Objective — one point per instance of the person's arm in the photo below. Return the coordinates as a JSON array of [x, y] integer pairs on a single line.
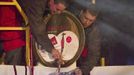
[[34, 10], [93, 41]]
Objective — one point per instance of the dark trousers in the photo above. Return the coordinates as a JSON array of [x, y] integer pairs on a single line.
[[13, 57]]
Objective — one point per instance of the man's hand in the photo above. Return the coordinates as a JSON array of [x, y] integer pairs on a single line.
[[78, 71], [56, 54]]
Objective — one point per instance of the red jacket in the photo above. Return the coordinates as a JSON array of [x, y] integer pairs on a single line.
[[7, 0], [10, 39]]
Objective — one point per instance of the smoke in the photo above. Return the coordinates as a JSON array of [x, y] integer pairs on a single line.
[[116, 20]]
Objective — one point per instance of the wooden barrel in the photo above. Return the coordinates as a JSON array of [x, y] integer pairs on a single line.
[[66, 34]]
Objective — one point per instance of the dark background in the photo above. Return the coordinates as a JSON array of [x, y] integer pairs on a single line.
[[116, 24]]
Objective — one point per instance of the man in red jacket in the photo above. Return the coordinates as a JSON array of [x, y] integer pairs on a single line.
[[11, 42]]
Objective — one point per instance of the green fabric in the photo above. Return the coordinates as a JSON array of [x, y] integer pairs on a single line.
[[15, 57]]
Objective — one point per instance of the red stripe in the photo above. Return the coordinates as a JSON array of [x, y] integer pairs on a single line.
[[84, 52]]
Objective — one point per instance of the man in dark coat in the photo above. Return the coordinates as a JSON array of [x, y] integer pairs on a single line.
[[34, 10], [91, 51]]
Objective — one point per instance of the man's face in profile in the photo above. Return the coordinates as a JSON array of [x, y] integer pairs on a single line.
[[87, 19], [57, 7], [60, 6]]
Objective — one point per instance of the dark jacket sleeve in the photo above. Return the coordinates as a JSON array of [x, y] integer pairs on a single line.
[[34, 10], [93, 41]]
